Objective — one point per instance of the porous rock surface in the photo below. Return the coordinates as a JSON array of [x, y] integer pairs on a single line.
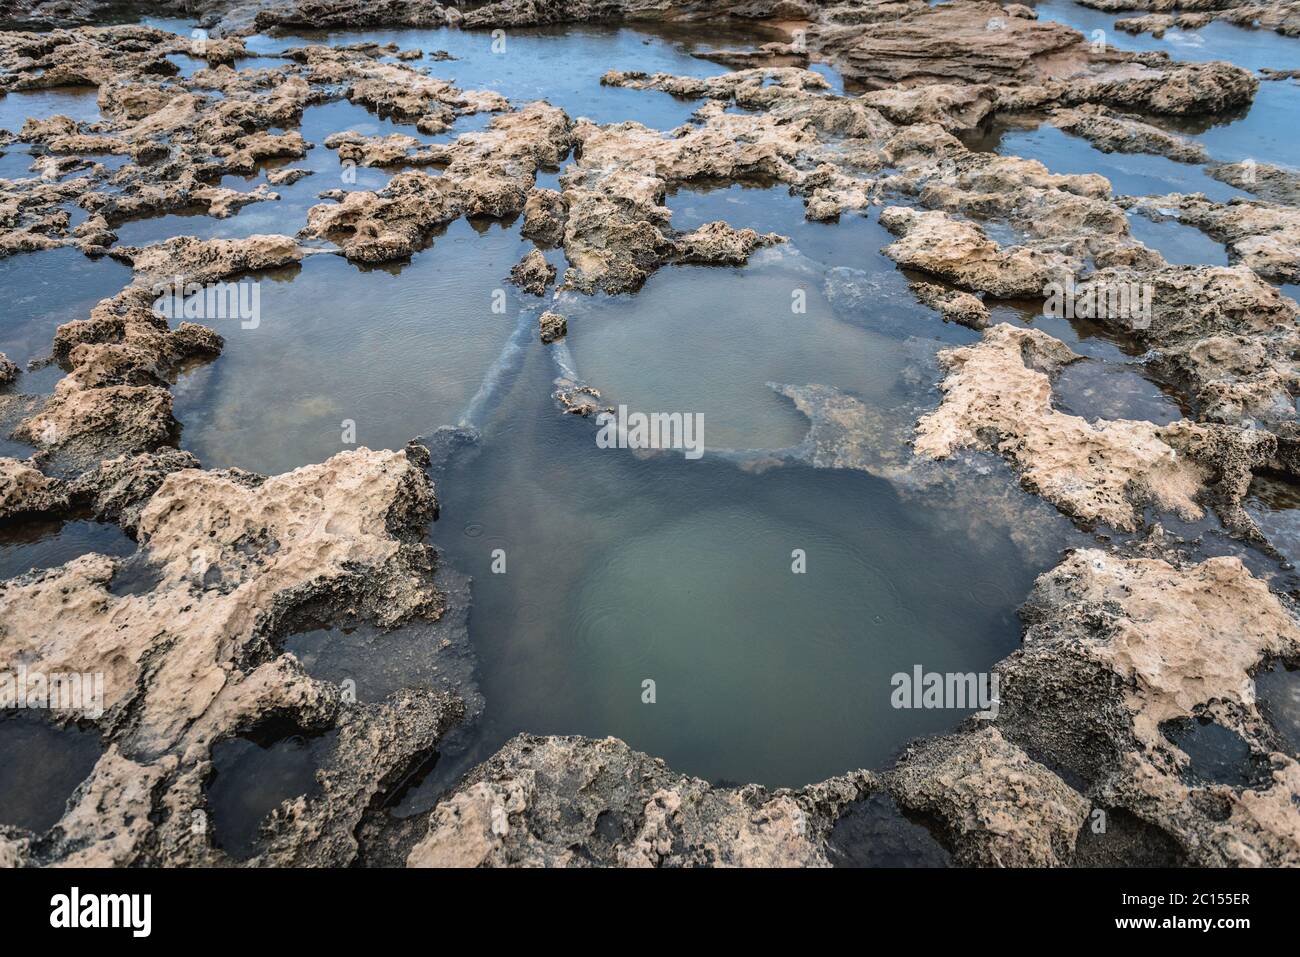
[[239, 560]]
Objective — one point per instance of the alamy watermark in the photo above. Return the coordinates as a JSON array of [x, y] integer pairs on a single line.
[[652, 430], [133, 912], [56, 691], [179, 299], [958, 691]]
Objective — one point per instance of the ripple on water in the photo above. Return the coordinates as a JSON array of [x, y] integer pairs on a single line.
[[623, 569], [1274, 503]]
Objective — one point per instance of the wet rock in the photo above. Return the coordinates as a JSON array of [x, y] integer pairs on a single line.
[[618, 232], [959, 252], [998, 396], [581, 802], [488, 173], [1113, 132], [953, 305], [544, 216], [1274, 184], [1115, 648], [718, 244], [1222, 331], [349, 14], [405, 94], [259, 547], [873, 832], [533, 273], [391, 224], [117, 489], [1157, 23], [114, 399], [956, 107], [552, 327], [25, 490], [287, 176], [8, 370], [208, 260], [223, 203], [80, 427], [788, 95], [1265, 236], [378, 745], [1036, 63], [241, 559], [998, 807], [395, 149], [1276, 15]]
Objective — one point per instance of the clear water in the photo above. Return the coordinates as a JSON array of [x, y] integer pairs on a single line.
[[397, 350], [42, 766], [1131, 174], [47, 543], [253, 775], [621, 569], [45, 289]]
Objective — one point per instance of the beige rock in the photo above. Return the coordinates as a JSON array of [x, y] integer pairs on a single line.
[[1000, 808], [998, 395], [959, 252]]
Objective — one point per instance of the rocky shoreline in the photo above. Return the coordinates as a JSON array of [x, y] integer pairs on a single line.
[[1127, 645]]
